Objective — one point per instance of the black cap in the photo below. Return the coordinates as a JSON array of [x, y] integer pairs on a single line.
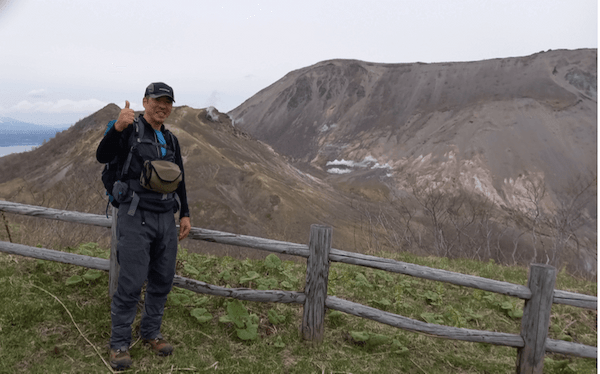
[[159, 89]]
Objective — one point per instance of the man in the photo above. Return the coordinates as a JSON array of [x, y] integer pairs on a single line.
[[147, 233]]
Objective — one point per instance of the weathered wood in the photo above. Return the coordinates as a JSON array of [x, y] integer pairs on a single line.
[[113, 273], [52, 255], [249, 242], [561, 297], [569, 348], [425, 272], [317, 275], [575, 299], [247, 294], [536, 319], [440, 331], [55, 214]]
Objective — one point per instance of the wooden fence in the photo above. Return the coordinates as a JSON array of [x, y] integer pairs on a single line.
[[539, 294]]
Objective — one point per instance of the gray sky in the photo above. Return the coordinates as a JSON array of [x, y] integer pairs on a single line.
[[61, 60]]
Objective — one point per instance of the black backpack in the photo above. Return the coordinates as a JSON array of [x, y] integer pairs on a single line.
[[110, 173]]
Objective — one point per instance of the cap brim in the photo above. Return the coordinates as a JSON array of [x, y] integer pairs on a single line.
[[156, 96]]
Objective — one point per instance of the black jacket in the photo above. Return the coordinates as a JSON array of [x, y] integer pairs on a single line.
[[117, 144]]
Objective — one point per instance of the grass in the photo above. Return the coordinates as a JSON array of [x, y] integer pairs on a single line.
[[37, 334]]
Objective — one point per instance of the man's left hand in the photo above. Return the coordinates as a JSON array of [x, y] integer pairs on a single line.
[[184, 227]]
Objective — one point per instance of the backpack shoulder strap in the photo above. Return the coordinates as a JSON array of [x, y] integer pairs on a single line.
[[170, 137], [137, 134]]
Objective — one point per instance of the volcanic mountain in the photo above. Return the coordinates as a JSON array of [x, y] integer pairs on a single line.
[[519, 132], [484, 124]]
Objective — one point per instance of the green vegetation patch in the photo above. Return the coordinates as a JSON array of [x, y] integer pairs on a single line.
[[215, 334]]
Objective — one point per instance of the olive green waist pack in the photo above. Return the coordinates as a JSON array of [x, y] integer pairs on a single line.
[[160, 176]]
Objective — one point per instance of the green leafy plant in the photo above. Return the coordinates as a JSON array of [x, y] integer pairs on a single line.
[[201, 315], [273, 262], [191, 269], [246, 325], [432, 318], [275, 318], [250, 276], [369, 339], [511, 309], [360, 280], [433, 298], [178, 298], [88, 276]]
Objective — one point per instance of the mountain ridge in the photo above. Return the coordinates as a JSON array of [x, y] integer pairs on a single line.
[[479, 160]]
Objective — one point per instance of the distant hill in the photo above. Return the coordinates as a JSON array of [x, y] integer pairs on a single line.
[[12, 126], [235, 183], [14, 132]]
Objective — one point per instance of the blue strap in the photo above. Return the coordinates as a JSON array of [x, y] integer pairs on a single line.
[[161, 140], [109, 126]]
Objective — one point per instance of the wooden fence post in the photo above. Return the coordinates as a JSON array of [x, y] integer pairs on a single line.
[[317, 275], [536, 319], [113, 272]]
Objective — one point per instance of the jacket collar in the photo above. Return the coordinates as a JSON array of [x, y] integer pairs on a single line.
[[162, 127]]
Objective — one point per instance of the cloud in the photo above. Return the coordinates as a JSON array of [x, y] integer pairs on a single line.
[[40, 92], [58, 106]]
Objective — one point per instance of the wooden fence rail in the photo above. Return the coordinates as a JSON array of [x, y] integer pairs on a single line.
[[539, 294]]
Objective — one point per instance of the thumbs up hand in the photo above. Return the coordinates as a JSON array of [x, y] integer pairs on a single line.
[[125, 119]]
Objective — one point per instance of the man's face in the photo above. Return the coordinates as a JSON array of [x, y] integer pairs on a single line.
[[157, 110]]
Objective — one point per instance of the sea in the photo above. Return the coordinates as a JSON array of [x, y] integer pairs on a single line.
[[6, 150], [23, 141]]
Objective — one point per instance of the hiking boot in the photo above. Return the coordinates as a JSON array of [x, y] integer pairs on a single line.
[[160, 346], [120, 359]]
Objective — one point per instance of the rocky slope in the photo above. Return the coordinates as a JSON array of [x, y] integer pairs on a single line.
[[482, 125], [520, 133]]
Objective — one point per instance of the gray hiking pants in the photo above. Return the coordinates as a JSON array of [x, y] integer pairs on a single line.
[[146, 250]]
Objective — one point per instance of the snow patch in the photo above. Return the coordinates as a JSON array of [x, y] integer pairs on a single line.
[[347, 165]]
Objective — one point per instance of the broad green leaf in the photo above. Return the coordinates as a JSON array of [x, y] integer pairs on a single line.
[[279, 343], [507, 305], [190, 269], [383, 301], [249, 333], [286, 284], [291, 278], [432, 318], [198, 301], [275, 318], [179, 299], [92, 274], [201, 314], [237, 313], [378, 339], [359, 336], [74, 280], [515, 313], [251, 275], [272, 261], [361, 281], [225, 275]]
